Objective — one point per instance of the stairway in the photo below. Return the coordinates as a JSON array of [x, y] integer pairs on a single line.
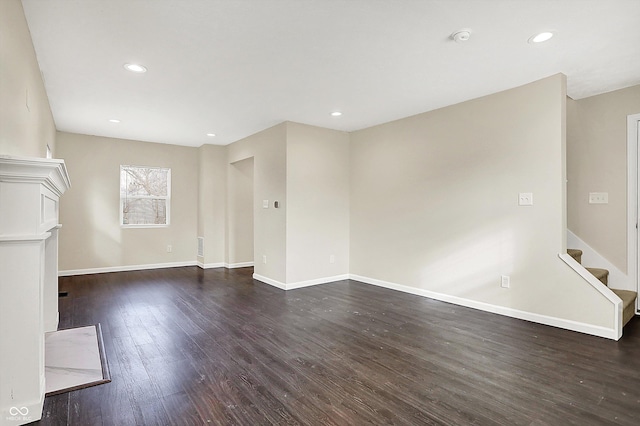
[[628, 297]]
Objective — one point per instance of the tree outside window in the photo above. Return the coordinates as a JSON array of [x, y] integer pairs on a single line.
[[145, 195]]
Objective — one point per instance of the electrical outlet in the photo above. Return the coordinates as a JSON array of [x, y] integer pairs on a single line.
[[525, 199], [169, 248], [264, 258], [505, 281], [598, 198], [332, 259]]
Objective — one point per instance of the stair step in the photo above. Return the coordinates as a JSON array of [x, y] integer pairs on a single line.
[[601, 274], [628, 297], [628, 303], [576, 254]]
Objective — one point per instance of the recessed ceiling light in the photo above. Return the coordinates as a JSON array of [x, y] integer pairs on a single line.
[[135, 68], [336, 113], [461, 36], [211, 134], [539, 38], [113, 120]]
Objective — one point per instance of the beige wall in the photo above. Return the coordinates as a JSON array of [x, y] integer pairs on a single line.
[[91, 236], [241, 210], [26, 123], [318, 203], [269, 151], [434, 204], [597, 162], [212, 202], [430, 202], [305, 169]]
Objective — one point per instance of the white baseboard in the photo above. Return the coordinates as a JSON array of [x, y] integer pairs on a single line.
[[126, 268], [210, 265], [238, 265], [501, 310], [591, 258], [300, 284], [281, 286], [318, 281], [50, 326], [71, 272], [482, 306]]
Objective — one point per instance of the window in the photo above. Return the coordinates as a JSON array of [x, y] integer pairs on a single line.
[[145, 196]]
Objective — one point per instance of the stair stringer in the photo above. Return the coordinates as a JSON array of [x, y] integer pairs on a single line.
[[601, 288]]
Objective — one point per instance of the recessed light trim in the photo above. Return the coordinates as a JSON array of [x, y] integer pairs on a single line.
[[461, 36], [211, 135], [336, 113], [114, 120], [137, 68], [541, 37]]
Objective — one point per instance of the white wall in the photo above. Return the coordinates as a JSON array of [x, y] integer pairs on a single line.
[[240, 219], [318, 203], [269, 151], [91, 236], [597, 162], [212, 203], [434, 204], [26, 123], [305, 169], [428, 202]]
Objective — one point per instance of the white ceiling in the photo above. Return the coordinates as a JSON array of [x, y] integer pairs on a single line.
[[235, 67]]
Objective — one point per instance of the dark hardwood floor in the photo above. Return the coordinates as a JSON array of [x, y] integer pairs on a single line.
[[193, 347]]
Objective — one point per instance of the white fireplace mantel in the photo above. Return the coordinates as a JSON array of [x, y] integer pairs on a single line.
[[30, 190]]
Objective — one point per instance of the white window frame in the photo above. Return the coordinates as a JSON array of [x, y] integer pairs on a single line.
[[167, 199]]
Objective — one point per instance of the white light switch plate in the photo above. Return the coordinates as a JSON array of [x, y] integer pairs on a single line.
[[505, 281], [265, 204], [598, 198], [525, 199]]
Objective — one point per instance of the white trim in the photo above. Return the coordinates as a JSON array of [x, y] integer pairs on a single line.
[[281, 286], [317, 281], [590, 278], [124, 268], [300, 284], [591, 258], [52, 325], [50, 173], [23, 238], [224, 265], [609, 333], [166, 198], [601, 288], [238, 265], [633, 122], [210, 265], [501, 310], [594, 330]]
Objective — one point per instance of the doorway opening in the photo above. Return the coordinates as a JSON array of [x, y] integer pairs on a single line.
[[240, 215]]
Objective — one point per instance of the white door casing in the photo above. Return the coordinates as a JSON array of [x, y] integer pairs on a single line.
[[633, 200]]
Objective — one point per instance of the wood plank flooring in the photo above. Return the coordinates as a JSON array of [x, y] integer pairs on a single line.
[[188, 346]]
